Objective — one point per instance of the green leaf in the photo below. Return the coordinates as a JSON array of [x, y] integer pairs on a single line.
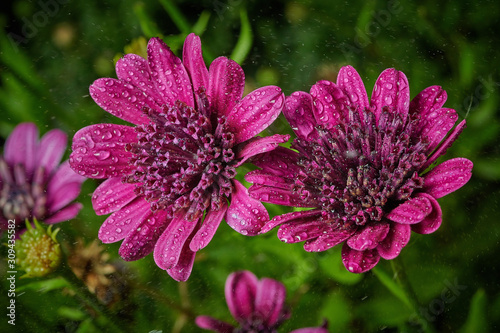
[[148, 25], [200, 25], [392, 285], [245, 40], [476, 320], [332, 265], [71, 313], [176, 15], [44, 286]]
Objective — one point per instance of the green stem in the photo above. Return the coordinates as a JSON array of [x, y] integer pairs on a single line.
[[90, 299]]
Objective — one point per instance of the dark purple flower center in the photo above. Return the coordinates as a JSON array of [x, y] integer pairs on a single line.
[[361, 168], [19, 198], [183, 159]]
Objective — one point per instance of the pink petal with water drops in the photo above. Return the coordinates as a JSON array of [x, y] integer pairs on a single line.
[[330, 103], [134, 69], [226, 84], [294, 233], [369, 237], [411, 211], [395, 241], [119, 224], [21, 145], [298, 111], [270, 301], [63, 187], [437, 125], [193, 61], [168, 74], [208, 228], [182, 270], [141, 240], [169, 246], [245, 214], [292, 218], [259, 145], [391, 89], [441, 149], [213, 324], [447, 177], [432, 222], [51, 149], [427, 101], [111, 195], [122, 100], [351, 84], [280, 162], [240, 291], [328, 240], [255, 112], [67, 213], [261, 177], [359, 261], [99, 151], [282, 196]]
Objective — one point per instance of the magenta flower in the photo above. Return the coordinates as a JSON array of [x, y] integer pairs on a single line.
[[362, 167], [257, 305], [33, 184], [170, 176]]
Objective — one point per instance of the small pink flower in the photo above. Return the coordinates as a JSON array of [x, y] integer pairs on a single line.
[[33, 184], [362, 167], [170, 175], [257, 306]]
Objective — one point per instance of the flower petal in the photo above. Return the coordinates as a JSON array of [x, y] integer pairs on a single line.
[[208, 228], [259, 145], [359, 261], [432, 222], [240, 291], [213, 324], [330, 103], [21, 145], [396, 239], [280, 196], [67, 213], [122, 100], [328, 240], [182, 270], [169, 246], [260, 177], [350, 82], [225, 89], [280, 162], [245, 214], [119, 224], [193, 61], [311, 330], [141, 240], [269, 301], [391, 89], [168, 73], [435, 128], [134, 69], [447, 177], [111, 195], [293, 217], [298, 111], [99, 151], [427, 101], [369, 237], [300, 232], [255, 112], [63, 187], [51, 149], [411, 211]]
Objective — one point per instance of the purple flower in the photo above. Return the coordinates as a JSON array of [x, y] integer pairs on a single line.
[[257, 305], [33, 184], [171, 175], [362, 167]]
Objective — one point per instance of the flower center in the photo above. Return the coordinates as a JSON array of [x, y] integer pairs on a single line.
[[362, 167], [183, 159], [20, 199]]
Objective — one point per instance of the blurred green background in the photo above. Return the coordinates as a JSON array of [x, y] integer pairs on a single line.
[[51, 51]]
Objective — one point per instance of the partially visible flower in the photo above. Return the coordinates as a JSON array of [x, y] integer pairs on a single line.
[[32, 183], [362, 167], [103, 278], [257, 305], [38, 252], [171, 175]]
